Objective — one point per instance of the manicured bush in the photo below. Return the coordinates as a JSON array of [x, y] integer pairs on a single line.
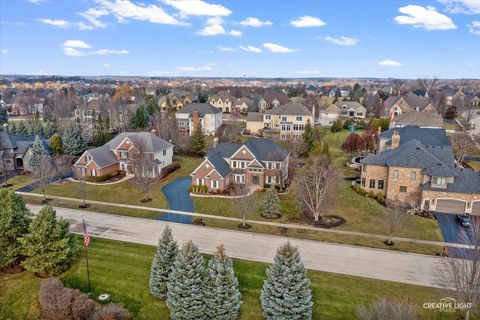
[[204, 189], [348, 123], [380, 197], [170, 168], [371, 194], [103, 178], [337, 126], [191, 188], [359, 189]]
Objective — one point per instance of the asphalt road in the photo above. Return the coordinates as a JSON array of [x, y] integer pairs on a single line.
[[371, 263]]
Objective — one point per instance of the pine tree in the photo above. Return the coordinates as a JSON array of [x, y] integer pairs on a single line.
[[49, 246], [162, 264], [38, 152], [198, 144], [271, 203], [107, 121], [286, 292], [48, 130], [13, 128], [308, 138], [14, 221], [223, 296], [22, 129], [57, 145], [141, 118], [73, 142], [186, 285]]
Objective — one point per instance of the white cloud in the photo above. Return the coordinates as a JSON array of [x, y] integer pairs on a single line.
[[56, 22], [474, 27], [342, 41], [124, 10], [106, 65], [198, 8], [213, 27], [462, 6], [73, 52], [251, 49], [307, 22], [156, 73], [390, 63], [103, 52], [308, 72], [226, 49], [92, 15], [255, 22], [427, 18], [4, 51], [273, 47], [76, 44], [35, 1], [194, 69]]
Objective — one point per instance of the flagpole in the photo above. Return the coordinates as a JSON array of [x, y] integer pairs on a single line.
[[86, 256]]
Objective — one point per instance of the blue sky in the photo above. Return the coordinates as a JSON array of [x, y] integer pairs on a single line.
[[263, 38]]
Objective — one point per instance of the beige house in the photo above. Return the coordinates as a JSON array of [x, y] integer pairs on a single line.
[[176, 101], [285, 121], [346, 109], [422, 175], [199, 114], [223, 101], [396, 105]]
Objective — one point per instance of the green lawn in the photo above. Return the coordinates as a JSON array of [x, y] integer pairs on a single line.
[[122, 270], [475, 165]]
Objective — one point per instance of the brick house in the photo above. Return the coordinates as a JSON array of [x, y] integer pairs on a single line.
[[396, 105], [256, 162], [422, 174], [199, 114], [117, 155]]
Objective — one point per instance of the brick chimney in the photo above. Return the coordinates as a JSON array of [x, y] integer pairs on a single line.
[[395, 139], [154, 132], [196, 120]]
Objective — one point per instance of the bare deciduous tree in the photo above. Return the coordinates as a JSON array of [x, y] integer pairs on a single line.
[[82, 189], [462, 273], [4, 169], [395, 221], [244, 203], [463, 144], [384, 309], [143, 167], [312, 183], [166, 126], [44, 174]]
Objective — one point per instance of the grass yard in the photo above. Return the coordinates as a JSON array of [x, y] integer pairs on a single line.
[[122, 270], [21, 181], [475, 165], [125, 192]]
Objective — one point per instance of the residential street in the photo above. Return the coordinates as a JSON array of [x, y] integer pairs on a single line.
[[364, 262]]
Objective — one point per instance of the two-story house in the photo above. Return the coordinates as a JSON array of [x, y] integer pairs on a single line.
[[199, 114], [423, 175], [118, 154], [175, 101], [396, 105], [272, 100], [346, 109], [255, 163], [222, 100], [417, 118], [285, 121]]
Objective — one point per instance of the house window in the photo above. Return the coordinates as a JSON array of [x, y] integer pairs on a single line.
[[395, 174], [271, 179], [299, 118], [84, 172], [94, 173], [268, 117], [413, 175], [239, 178], [403, 189], [269, 165], [123, 155], [363, 182], [298, 127], [164, 152], [277, 165], [372, 183], [284, 118], [200, 182], [439, 180], [286, 127], [242, 165], [234, 164], [214, 184], [380, 184]]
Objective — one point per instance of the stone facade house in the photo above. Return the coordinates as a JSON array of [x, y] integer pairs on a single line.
[[272, 100], [255, 163], [285, 121], [427, 136], [346, 109], [118, 154], [222, 100], [199, 114], [422, 174], [175, 101], [396, 105]]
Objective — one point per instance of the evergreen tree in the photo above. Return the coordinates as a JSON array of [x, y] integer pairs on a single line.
[[3, 116], [38, 152], [73, 142], [49, 246], [13, 128], [308, 138], [107, 122], [223, 296], [152, 105], [286, 292], [14, 221], [186, 285], [48, 130], [141, 118], [198, 143], [162, 264], [271, 203], [22, 129], [57, 145]]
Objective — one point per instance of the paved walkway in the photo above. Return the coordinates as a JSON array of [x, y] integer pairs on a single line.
[[379, 264], [249, 221], [126, 178]]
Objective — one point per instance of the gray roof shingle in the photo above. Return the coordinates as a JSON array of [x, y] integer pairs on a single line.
[[292, 109], [153, 143], [427, 136], [102, 156], [202, 108], [466, 181]]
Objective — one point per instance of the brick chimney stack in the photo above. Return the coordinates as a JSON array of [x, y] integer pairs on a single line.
[[395, 139], [153, 131], [196, 120]]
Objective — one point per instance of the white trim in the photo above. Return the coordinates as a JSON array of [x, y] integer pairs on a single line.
[[243, 146]]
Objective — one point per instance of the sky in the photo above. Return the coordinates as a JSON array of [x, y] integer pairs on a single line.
[[255, 38]]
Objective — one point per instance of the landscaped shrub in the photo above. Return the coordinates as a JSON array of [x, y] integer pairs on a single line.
[[204, 189], [337, 126], [170, 168], [191, 188], [359, 189], [379, 197], [102, 178], [371, 194], [58, 303], [348, 123]]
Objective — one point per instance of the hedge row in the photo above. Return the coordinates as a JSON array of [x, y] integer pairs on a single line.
[[198, 189], [379, 196], [170, 168]]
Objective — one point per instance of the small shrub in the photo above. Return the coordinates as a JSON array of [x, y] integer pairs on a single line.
[[359, 189], [204, 189], [379, 197], [348, 123], [170, 168], [337, 126], [191, 188], [101, 178], [371, 194]]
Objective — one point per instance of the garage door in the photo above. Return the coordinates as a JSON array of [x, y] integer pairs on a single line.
[[451, 206], [476, 208]]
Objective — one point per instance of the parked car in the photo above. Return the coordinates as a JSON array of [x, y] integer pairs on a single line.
[[463, 220]]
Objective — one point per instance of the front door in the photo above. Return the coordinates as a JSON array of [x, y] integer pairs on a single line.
[[256, 180]]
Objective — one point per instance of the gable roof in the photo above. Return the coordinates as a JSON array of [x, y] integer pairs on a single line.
[[466, 181], [427, 136], [349, 104], [293, 109], [417, 118], [152, 142], [202, 108], [102, 156], [255, 116]]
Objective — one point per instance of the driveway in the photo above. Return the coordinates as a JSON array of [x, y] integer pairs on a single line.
[[178, 198], [453, 232], [409, 268]]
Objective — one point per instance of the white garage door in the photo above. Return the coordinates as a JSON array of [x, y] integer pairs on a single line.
[[476, 208], [450, 206]]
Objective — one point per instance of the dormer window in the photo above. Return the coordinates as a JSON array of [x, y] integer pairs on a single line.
[[439, 181]]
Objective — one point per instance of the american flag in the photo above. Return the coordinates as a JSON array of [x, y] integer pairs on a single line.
[[86, 237]]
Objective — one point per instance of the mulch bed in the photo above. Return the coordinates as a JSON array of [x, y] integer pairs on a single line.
[[146, 200], [330, 221], [244, 226], [7, 185], [84, 206], [12, 270], [198, 222]]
